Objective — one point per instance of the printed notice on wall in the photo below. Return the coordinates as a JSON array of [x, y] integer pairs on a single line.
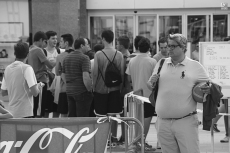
[[215, 57]]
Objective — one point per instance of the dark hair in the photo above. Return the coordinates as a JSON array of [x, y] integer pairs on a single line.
[[124, 41], [50, 34], [40, 35], [89, 42], [144, 45], [136, 41], [108, 35], [227, 38], [21, 50], [98, 47], [162, 40], [78, 42], [68, 38]]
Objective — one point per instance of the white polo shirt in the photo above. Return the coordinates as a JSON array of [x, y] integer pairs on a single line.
[[174, 98], [18, 78], [140, 69]]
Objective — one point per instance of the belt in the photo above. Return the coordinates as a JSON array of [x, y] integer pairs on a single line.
[[190, 114]]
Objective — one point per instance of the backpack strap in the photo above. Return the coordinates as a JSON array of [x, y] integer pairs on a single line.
[[161, 64], [45, 52], [112, 60]]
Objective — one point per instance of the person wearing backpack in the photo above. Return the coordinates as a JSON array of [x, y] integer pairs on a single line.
[[108, 75]]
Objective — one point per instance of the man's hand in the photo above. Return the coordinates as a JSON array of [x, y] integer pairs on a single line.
[[205, 89], [152, 81]]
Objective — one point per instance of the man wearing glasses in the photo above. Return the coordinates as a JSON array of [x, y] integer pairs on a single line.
[[163, 50], [195, 53], [176, 110]]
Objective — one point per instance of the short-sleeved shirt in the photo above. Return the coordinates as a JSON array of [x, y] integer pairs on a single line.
[[174, 98], [36, 59], [140, 69], [59, 66], [74, 64], [195, 55], [18, 78], [100, 65], [159, 56], [52, 56]]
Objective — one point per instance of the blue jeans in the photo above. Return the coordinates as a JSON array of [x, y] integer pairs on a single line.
[[79, 105]]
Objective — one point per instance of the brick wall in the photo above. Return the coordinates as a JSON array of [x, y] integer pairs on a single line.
[[61, 16]]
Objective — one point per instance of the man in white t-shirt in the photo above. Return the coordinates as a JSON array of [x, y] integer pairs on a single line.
[[19, 82], [51, 53], [140, 69]]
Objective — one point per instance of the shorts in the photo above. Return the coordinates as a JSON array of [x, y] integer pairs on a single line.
[[62, 103], [107, 103], [149, 110], [50, 105]]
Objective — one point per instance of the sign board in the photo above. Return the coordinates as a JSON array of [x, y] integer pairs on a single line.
[[215, 57], [67, 135]]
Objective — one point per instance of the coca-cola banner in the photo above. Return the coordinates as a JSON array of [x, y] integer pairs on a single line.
[[66, 135]]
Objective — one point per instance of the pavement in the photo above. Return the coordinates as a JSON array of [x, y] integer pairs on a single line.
[[204, 136]]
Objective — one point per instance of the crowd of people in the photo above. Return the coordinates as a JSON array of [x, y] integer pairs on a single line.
[[77, 81]]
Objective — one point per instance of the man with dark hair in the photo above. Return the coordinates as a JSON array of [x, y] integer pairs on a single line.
[[139, 70], [51, 51], [107, 99], [66, 43], [76, 75], [39, 63], [19, 82], [163, 50], [90, 53], [123, 43]]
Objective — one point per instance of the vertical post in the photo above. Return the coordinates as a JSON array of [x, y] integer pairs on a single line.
[[125, 115], [212, 136]]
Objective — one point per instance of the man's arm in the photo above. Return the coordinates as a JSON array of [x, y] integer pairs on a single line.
[[4, 113], [35, 90], [87, 81], [58, 66], [95, 71], [50, 64], [122, 71], [43, 59], [4, 91], [30, 78], [86, 73]]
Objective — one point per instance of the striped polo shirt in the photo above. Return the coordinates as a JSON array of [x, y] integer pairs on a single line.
[[74, 65]]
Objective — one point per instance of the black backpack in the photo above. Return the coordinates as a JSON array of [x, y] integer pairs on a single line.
[[112, 73]]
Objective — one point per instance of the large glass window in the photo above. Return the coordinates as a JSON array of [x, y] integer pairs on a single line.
[[198, 31], [124, 26], [169, 25], [220, 25], [147, 27], [97, 25]]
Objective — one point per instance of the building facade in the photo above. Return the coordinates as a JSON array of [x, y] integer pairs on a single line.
[[206, 20]]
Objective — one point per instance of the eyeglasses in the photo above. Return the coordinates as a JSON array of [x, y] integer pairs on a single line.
[[173, 46], [164, 47]]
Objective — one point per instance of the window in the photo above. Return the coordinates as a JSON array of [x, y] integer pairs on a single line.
[[169, 25], [220, 25], [147, 28], [124, 26], [97, 25]]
